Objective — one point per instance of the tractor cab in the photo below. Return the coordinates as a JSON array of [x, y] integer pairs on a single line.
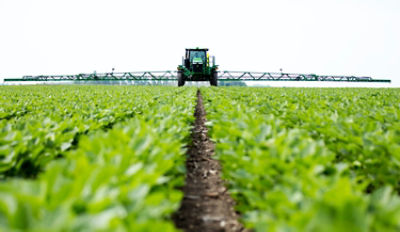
[[195, 58]]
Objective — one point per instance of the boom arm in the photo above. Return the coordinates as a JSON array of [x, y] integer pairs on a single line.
[[172, 76]]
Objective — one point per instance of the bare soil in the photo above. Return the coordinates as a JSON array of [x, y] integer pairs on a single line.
[[206, 205]]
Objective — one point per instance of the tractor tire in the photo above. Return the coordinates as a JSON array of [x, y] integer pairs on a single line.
[[214, 79], [181, 80]]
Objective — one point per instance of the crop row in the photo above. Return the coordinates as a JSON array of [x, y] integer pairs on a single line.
[[309, 159], [126, 178], [57, 115]]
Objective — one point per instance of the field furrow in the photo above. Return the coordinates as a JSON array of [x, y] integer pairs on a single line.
[[206, 205]]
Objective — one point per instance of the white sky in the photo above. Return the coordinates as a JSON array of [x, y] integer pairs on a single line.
[[344, 37]]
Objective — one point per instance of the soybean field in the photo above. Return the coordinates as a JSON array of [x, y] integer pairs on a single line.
[[158, 158]]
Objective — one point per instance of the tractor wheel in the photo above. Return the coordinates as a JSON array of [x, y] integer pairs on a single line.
[[181, 80], [214, 79]]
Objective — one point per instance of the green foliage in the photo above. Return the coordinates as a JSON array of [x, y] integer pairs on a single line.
[[111, 158], [57, 116], [309, 159], [124, 178]]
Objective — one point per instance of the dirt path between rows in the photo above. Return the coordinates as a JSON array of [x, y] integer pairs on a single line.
[[206, 205]]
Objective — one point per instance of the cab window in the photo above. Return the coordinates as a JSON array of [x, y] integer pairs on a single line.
[[197, 54]]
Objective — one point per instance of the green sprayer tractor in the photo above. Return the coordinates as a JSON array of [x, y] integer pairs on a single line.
[[196, 66]]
